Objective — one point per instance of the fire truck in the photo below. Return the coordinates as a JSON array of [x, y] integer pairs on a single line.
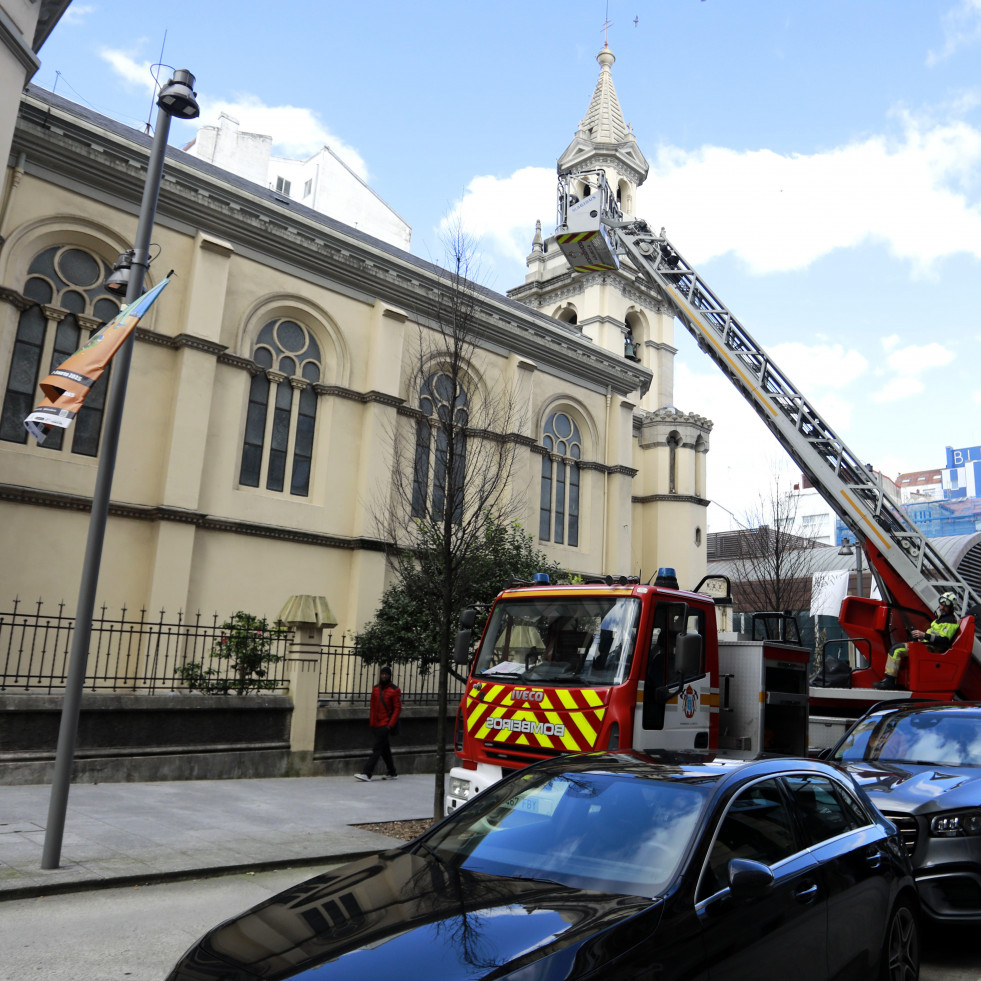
[[618, 663], [529, 696]]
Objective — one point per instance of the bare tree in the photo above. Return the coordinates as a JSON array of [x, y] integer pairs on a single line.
[[454, 456], [773, 565]]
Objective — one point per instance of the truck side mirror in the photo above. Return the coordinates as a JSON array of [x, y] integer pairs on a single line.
[[461, 652], [688, 656]]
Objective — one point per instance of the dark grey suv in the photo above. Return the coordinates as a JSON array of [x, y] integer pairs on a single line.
[[920, 763]]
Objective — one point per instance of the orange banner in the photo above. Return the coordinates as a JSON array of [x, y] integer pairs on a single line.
[[67, 386]]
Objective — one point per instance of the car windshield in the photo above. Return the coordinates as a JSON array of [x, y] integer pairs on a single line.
[[612, 832], [946, 736], [587, 640]]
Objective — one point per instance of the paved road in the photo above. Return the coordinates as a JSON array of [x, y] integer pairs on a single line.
[[137, 933]]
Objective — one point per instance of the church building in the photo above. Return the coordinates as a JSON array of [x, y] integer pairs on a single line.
[[270, 378]]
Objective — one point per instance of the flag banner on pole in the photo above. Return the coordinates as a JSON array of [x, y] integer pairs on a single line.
[[67, 386], [828, 590]]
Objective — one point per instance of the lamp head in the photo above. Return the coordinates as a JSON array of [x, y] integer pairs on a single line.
[[846, 547], [177, 97], [118, 281]]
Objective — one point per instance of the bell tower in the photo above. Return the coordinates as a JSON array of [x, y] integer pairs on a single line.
[[622, 312], [616, 309]]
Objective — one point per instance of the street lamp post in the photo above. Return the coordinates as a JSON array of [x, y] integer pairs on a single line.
[[846, 549], [176, 99]]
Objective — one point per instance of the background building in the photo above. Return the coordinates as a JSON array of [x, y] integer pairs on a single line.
[[322, 182]]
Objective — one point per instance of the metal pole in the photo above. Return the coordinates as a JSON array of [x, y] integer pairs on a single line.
[[858, 569], [68, 731]]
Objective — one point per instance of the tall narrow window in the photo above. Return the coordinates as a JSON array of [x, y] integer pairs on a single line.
[[69, 305], [441, 449], [281, 415], [558, 515]]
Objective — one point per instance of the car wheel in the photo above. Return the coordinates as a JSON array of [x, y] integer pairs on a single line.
[[901, 955]]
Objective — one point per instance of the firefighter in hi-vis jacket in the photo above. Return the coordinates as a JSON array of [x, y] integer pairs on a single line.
[[937, 638]]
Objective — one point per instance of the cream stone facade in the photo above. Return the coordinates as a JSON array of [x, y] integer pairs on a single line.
[[24, 27], [269, 378]]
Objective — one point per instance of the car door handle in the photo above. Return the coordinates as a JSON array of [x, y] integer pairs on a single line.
[[806, 893], [873, 858]]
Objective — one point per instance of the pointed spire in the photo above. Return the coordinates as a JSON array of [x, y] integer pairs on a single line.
[[604, 122], [538, 243], [603, 129]]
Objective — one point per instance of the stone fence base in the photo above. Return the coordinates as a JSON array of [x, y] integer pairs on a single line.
[[203, 737]]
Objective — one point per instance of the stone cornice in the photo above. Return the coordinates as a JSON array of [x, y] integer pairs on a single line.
[[180, 341], [15, 299], [604, 468], [207, 522], [630, 284], [381, 398], [671, 499]]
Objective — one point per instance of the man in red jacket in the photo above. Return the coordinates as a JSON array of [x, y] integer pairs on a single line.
[[386, 707]]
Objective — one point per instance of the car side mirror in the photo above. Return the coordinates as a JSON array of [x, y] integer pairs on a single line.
[[748, 879]]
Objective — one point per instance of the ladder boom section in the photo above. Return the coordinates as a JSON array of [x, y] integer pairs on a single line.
[[852, 489]]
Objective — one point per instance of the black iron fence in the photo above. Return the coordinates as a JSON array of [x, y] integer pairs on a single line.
[[156, 656]]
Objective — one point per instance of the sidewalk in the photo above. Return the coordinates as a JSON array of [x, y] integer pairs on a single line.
[[127, 833]]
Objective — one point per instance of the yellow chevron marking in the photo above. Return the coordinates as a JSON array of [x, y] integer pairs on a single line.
[[585, 728]]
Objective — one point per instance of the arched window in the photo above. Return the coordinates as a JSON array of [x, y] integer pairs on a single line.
[[567, 315], [282, 412], [438, 474], [559, 510], [68, 305]]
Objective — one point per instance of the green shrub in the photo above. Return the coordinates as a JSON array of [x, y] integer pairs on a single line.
[[245, 645]]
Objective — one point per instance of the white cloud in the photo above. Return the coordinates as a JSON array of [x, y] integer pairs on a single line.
[[819, 365], [496, 210], [777, 212], [917, 358], [898, 389], [76, 13], [961, 26], [296, 132], [890, 342], [136, 74], [783, 212]]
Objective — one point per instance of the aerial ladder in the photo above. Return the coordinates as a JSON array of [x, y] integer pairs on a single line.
[[593, 236]]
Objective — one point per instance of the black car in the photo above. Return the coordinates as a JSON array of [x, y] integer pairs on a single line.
[[605, 866], [921, 765]]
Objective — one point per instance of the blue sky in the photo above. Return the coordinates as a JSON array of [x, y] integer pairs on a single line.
[[820, 163]]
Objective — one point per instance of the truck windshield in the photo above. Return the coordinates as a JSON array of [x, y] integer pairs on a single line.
[[586, 640]]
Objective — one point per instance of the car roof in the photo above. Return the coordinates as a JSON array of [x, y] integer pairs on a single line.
[[970, 709], [705, 771]]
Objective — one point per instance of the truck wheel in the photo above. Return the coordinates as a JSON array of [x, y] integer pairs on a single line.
[[901, 951]]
